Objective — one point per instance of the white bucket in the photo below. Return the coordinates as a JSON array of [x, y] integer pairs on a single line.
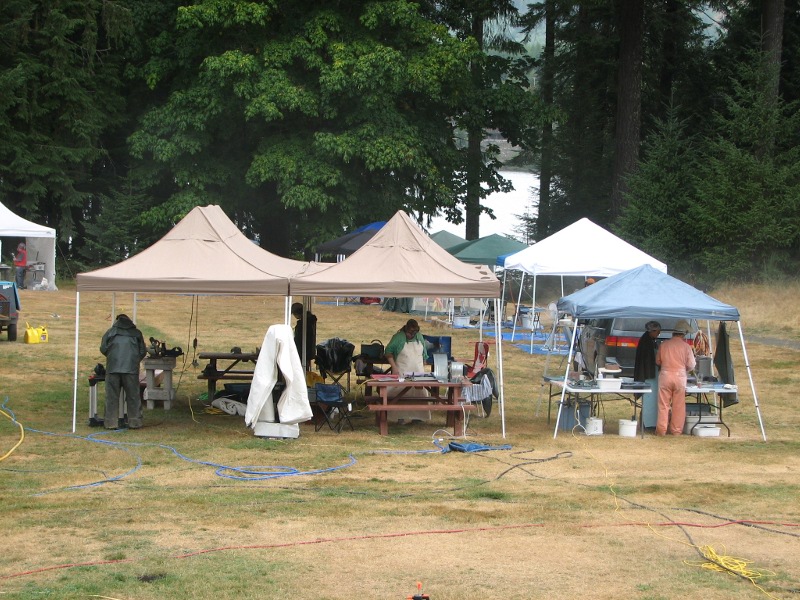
[[594, 426], [527, 321], [627, 428]]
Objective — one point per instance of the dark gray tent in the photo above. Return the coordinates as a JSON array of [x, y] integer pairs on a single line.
[[646, 292]]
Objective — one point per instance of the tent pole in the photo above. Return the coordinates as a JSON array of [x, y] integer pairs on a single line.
[[502, 295], [499, 352], [135, 306], [75, 370], [752, 385], [566, 377], [516, 308], [533, 308], [482, 316]]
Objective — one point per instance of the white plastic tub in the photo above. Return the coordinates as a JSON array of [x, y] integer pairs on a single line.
[[609, 383], [698, 421], [461, 321], [627, 428], [706, 431]]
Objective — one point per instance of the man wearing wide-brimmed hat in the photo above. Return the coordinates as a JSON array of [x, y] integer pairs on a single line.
[[676, 359]]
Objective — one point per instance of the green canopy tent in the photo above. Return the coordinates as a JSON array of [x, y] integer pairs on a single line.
[[485, 250], [446, 239]]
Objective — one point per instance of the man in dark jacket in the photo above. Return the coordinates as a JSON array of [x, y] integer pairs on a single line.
[[310, 325], [644, 369], [123, 346]]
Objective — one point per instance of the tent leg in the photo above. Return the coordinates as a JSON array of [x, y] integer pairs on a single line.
[[499, 352], [752, 385], [75, 370], [566, 377], [516, 308], [533, 308]]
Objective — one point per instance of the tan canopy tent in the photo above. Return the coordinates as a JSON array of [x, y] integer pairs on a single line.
[[205, 253], [401, 260]]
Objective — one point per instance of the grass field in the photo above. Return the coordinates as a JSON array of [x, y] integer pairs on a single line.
[[193, 506]]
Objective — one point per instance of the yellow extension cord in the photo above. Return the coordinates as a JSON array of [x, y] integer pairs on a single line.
[[21, 434], [714, 562]]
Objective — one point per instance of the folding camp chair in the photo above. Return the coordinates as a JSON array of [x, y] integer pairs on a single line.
[[331, 402], [480, 360], [560, 328], [335, 358]]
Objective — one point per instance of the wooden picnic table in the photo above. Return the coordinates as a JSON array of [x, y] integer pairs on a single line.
[[214, 372], [446, 396]]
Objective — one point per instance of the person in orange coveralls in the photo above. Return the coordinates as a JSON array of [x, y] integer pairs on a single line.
[[676, 359]]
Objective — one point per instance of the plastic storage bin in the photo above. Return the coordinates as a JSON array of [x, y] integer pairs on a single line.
[[568, 420]]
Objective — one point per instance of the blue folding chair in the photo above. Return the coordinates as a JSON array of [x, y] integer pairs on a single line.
[[331, 402]]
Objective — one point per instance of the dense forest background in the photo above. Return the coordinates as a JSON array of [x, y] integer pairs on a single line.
[[672, 123]]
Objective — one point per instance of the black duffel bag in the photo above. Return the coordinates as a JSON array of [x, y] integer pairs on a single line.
[[374, 350], [334, 356]]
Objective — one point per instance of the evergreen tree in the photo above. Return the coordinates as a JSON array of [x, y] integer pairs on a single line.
[[747, 210], [60, 91], [656, 215]]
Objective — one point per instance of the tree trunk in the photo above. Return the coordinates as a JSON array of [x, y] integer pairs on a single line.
[[669, 54], [544, 223], [772, 14], [472, 201], [629, 99]]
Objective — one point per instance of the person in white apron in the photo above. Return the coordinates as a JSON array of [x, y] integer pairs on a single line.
[[406, 353]]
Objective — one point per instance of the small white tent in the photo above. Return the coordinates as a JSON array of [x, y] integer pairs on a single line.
[[40, 241], [581, 249]]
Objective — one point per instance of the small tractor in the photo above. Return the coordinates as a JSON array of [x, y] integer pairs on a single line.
[[9, 309]]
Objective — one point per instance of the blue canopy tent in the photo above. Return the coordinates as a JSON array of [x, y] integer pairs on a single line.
[[348, 243], [646, 292]]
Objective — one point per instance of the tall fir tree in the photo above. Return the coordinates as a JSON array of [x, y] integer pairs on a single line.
[[747, 210]]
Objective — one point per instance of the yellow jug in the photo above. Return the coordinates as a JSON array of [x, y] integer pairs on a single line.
[[35, 335]]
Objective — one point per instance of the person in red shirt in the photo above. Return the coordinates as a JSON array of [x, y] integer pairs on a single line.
[[676, 359], [21, 263]]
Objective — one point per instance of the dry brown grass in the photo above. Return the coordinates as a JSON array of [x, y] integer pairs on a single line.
[[596, 517]]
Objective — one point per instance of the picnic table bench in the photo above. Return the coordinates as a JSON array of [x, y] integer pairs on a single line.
[[213, 374]]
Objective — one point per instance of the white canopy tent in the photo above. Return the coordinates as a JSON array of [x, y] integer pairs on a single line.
[[582, 249], [39, 240]]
